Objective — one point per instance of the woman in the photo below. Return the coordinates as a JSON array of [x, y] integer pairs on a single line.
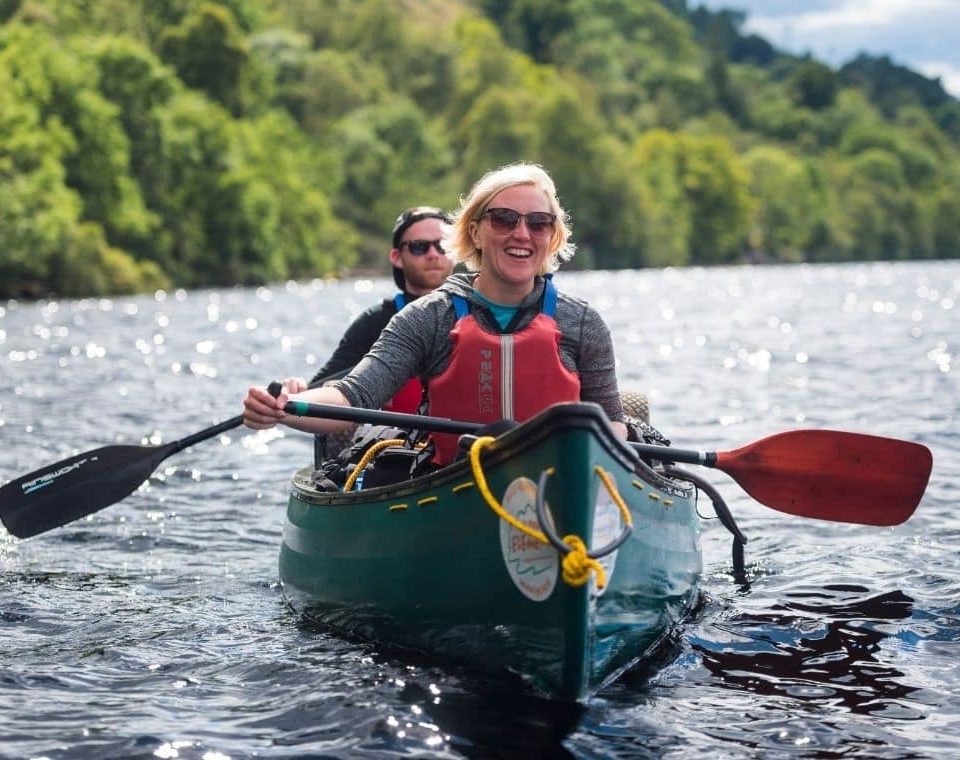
[[499, 342]]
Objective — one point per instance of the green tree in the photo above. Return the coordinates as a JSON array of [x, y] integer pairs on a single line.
[[618, 44], [813, 85], [497, 130], [655, 160], [484, 62], [320, 87], [305, 237], [789, 205], [605, 202], [919, 165], [874, 217], [62, 82], [531, 25], [193, 148], [37, 210], [700, 184], [240, 141], [87, 264], [945, 211], [393, 157], [715, 183], [210, 53]]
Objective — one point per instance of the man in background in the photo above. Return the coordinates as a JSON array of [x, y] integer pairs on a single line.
[[419, 267]]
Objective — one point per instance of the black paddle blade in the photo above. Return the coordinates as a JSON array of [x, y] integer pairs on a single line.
[[76, 487], [83, 484]]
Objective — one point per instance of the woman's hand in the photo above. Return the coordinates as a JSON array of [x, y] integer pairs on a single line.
[[261, 410]]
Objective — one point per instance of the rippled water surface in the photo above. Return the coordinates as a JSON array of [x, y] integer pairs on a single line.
[[156, 627]]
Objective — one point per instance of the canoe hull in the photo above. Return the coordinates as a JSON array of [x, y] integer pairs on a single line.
[[431, 566]]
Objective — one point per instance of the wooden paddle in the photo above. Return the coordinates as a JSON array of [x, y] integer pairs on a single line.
[[824, 474], [831, 475]]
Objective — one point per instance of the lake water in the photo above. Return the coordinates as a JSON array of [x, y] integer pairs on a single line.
[[157, 627]]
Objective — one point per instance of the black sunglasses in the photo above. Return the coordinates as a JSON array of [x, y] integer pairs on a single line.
[[504, 220], [422, 247]]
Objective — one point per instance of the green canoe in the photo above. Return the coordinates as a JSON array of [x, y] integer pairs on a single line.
[[431, 564]]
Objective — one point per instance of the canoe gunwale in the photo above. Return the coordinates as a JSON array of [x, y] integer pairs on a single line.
[[556, 418]]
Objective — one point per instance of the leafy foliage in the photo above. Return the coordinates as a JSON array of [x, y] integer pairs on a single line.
[[157, 143]]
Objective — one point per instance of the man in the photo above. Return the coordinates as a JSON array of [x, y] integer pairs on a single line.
[[419, 267]]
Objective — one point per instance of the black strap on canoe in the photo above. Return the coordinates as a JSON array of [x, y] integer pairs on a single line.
[[723, 512]]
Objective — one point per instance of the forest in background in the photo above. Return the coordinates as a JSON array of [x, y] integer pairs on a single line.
[[185, 143]]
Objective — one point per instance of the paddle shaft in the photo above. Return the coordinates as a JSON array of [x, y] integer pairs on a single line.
[[205, 434], [379, 417], [446, 425], [823, 474]]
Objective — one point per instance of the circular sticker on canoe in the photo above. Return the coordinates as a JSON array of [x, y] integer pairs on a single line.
[[532, 564], [607, 524]]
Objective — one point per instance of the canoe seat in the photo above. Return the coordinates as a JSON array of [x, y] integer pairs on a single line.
[[636, 405], [637, 409]]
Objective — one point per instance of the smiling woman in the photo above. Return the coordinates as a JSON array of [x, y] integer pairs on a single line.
[[498, 343]]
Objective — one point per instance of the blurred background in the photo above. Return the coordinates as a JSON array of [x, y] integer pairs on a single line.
[[152, 144]]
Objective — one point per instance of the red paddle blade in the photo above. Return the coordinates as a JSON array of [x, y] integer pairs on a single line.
[[833, 475]]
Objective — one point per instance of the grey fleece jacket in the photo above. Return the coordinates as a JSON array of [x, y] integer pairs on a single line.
[[415, 343]]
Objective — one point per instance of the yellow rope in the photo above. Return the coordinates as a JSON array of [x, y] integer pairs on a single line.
[[365, 460], [479, 445], [576, 563], [611, 487]]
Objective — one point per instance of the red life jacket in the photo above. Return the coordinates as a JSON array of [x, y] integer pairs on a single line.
[[493, 377], [408, 398]]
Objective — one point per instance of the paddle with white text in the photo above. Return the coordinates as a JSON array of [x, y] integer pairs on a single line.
[[86, 483], [72, 488]]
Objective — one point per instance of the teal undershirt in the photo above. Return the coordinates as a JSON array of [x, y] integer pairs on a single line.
[[503, 314]]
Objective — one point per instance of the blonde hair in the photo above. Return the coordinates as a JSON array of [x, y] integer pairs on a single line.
[[458, 243]]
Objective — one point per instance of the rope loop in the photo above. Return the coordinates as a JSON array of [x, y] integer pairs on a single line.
[[368, 455], [546, 521], [478, 446], [577, 562]]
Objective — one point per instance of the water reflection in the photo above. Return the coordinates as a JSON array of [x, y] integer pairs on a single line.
[[497, 721], [156, 627], [823, 647]]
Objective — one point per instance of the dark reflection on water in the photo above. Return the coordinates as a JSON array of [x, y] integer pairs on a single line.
[[157, 629], [827, 655], [492, 721]]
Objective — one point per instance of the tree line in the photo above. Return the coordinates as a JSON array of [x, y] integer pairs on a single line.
[[188, 143]]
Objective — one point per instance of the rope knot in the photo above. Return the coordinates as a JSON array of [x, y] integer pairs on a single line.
[[577, 564]]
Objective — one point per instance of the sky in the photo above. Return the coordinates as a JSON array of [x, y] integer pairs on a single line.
[[919, 34]]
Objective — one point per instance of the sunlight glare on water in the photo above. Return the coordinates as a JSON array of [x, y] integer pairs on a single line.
[[157, 628]]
